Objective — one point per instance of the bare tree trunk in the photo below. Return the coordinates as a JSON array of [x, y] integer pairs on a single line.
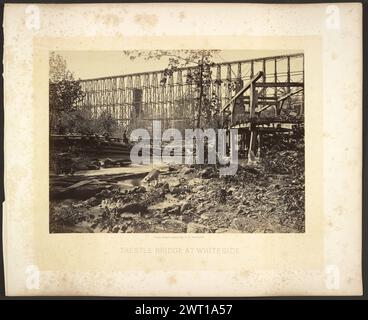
[[200, 92]]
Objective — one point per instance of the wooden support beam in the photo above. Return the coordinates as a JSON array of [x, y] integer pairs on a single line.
[[253, 101], [281, 99], [218, 87], [287, 95], [264, 98], [228, 88], [240, 92], [115, 94], [252, 143], [279, 84]]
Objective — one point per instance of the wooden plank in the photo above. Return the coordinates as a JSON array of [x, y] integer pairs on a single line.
[[282, 98], [253, 100], [264, 98], [285, 96], [245, 88], [279, 84]]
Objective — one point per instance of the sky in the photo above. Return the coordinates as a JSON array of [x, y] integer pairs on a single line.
[[94, 64]]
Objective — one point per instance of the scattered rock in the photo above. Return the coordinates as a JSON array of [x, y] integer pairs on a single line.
[[173, 209], [172, 168], [196, 228], [174, 183], [222, 195], [132, 208], [244, 224], [128, 215], [185, 206], [153, 175], [207, 173], [177, 190], [173, 225], [138, 189], [104, 194], [162, 206], [205, 216], [239, 223], [93, 201], [199, 188], [186, 170]]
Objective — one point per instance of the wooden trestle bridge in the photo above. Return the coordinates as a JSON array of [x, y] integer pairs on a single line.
[[252, 95]]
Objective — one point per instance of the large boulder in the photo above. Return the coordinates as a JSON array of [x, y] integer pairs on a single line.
[[93, 201], [172, 209], [153, 175], [186, 170], [207, 173], [132, 208], [174, 182]]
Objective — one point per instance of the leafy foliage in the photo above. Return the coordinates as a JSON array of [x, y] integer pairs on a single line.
[[106, 124], [66, 115], [199, 76], [64, 94]]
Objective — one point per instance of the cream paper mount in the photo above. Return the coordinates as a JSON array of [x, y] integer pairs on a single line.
[[322, 258]]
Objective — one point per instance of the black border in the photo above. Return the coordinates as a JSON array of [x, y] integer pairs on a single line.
[[233, 300]]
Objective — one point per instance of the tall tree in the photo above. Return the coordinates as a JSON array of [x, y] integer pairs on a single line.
[[64, 94], [199, 63]]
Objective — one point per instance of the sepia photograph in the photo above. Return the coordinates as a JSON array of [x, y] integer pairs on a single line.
[[140, 141]]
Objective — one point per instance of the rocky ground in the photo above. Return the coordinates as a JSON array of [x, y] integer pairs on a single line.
[[267, 196]]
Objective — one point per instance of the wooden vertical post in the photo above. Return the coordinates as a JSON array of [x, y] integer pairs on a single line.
[[253, 100], [218, 91], [275, 76], [253, 105], [252, 141], [121, 99], [171, 98], [246, 149], [154, 95], [259, 145], [239, 71], [228, 78], [146, 91], [113, 96]]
